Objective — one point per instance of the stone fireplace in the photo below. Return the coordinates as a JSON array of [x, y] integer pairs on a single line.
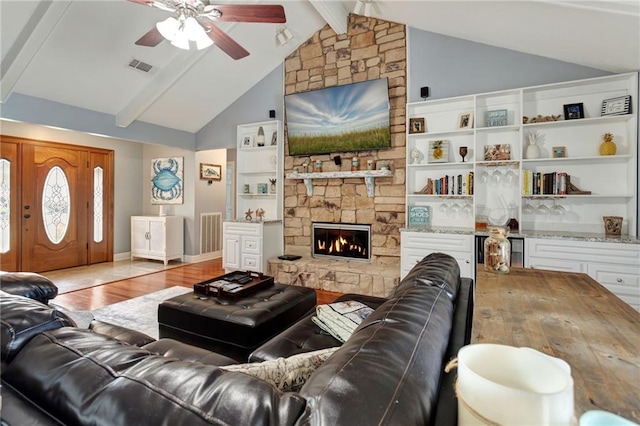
[[341, 241], [371, 49]]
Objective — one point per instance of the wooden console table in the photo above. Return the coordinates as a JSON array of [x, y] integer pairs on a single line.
[[572, 317]]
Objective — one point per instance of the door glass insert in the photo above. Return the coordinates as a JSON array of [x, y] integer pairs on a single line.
[[56, 204], [5, 205], [98, 197]]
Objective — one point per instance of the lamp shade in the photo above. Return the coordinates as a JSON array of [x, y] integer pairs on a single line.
[[180, 40], [168, 28]]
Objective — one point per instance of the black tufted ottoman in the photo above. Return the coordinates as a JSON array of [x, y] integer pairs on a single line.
[[234, 327]]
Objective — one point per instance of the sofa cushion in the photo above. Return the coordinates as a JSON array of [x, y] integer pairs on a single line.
[[22, 319], [28, 284], [286, 374], [173, 349], [85, 377]]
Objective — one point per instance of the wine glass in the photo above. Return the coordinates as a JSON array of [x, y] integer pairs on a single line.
[[463, 151], [484, 176], [444, 209], [467, 209], [496, 177], [510, 176], [454, 209], [542, 210], [557, 209]]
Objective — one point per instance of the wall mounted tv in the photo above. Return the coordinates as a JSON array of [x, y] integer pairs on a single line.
[[351, 117]]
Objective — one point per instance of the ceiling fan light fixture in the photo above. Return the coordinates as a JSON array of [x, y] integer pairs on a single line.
[[181, 41], [168, 28], [283, 35]]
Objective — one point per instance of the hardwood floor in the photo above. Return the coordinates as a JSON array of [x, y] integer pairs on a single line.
[[186, 276]]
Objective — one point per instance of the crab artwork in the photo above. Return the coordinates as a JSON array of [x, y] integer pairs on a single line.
[[166, 177]]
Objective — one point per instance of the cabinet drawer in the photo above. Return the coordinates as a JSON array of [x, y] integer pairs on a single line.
[[437, 242], [251, 245], [623, 281], [584, 251], [238, 228], [251, 263], [561, 265], [412, 256]]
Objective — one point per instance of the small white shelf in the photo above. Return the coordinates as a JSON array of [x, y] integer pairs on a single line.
[[368, 175], [582, 160]]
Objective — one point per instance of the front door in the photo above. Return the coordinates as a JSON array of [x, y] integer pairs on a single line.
[[61, 213]]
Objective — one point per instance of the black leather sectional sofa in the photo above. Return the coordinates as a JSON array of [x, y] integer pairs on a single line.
[[389, 372]]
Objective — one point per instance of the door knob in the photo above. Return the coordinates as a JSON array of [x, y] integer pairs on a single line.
[[27, 216], [27, 206]]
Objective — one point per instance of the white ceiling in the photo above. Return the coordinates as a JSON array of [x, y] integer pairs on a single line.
[[76, 52]]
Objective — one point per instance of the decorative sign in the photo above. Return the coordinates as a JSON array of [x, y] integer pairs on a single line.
[[497, 117], [438, 152], [419, 216]]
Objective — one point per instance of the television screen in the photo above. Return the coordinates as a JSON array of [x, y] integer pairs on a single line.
[[352, 117]]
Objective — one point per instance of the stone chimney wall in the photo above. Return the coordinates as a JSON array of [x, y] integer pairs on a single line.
[[371, 49]]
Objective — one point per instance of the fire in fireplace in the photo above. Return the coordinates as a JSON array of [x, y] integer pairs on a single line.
[[341, 241]]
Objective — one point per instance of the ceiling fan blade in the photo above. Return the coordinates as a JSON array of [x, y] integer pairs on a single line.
[[224, 42], [151, 39], [248, 13]]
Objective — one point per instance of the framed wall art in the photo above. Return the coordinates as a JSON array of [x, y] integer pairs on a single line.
[[416, 125], [210, 171], [559, 152], [617, 106], [247, 142], [166, 180], [438, 152], [573, 111]]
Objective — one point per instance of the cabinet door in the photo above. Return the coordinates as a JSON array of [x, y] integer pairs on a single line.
[[416, 245], [157, 237], [139, 236], [231, 251]]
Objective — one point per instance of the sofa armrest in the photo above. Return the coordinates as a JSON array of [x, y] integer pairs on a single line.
[[28, 284], [447, 405]]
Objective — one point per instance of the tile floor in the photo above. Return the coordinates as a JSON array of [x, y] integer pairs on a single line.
[[90, 276]]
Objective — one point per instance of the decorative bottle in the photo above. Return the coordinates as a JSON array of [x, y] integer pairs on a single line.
[[497, 251]]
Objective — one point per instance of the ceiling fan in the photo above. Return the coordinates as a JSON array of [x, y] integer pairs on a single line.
[[193, 20]]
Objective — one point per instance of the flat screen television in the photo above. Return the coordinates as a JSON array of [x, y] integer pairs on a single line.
[[351, 117]]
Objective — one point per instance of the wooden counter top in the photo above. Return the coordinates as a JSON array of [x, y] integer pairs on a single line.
[[572, 317]]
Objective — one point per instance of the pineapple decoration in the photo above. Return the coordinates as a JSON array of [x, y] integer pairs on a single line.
[[437, 150], [607, 147]]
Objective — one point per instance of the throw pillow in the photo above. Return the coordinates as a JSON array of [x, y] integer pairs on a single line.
[[287, 374], [82, 319]]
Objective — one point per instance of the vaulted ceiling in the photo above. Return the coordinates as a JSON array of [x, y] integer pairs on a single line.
[[78, 52]]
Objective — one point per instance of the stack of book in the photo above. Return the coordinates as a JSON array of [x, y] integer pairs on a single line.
[[449, 185], [536, 183]]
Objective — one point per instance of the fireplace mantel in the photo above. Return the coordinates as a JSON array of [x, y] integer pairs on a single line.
[[368, 175]]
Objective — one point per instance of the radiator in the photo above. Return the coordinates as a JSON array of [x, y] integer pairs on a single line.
[[210, 232]]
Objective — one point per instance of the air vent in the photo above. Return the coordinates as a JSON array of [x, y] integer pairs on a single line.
[[139, 65]]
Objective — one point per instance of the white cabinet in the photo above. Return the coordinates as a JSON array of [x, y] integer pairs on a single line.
[[416, 245], [496, 171], [259, 169], [157, 237], [614, 265], [249, 246]]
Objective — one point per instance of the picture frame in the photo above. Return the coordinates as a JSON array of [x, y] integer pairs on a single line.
[[210, 171], [573, 111], [465, 120], [498, 117], [559, 152], [616, 106], [416, 125], [419, 216], [247, 141], [498, 152], [438, 152], [274, 138], [262, 188]]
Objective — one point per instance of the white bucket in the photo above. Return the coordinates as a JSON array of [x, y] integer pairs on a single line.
[[504, 385]]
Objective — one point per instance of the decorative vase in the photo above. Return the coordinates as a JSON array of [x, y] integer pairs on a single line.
[[612, 225], [260, 137], [532, 150], [607, 147]]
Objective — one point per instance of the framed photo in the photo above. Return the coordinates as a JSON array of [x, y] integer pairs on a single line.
[[416, 125], [496, 117], [419, 216], [274, 138], [247, 141], [210, 171], [616, 106], [263, 188], [500, 152], [559, 152], [573, 111], [438, 152], [465, 120]]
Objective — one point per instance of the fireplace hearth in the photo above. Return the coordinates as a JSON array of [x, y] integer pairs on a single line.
[[341, 241]]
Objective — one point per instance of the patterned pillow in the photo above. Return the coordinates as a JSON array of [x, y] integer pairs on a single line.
[[287, 374]]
